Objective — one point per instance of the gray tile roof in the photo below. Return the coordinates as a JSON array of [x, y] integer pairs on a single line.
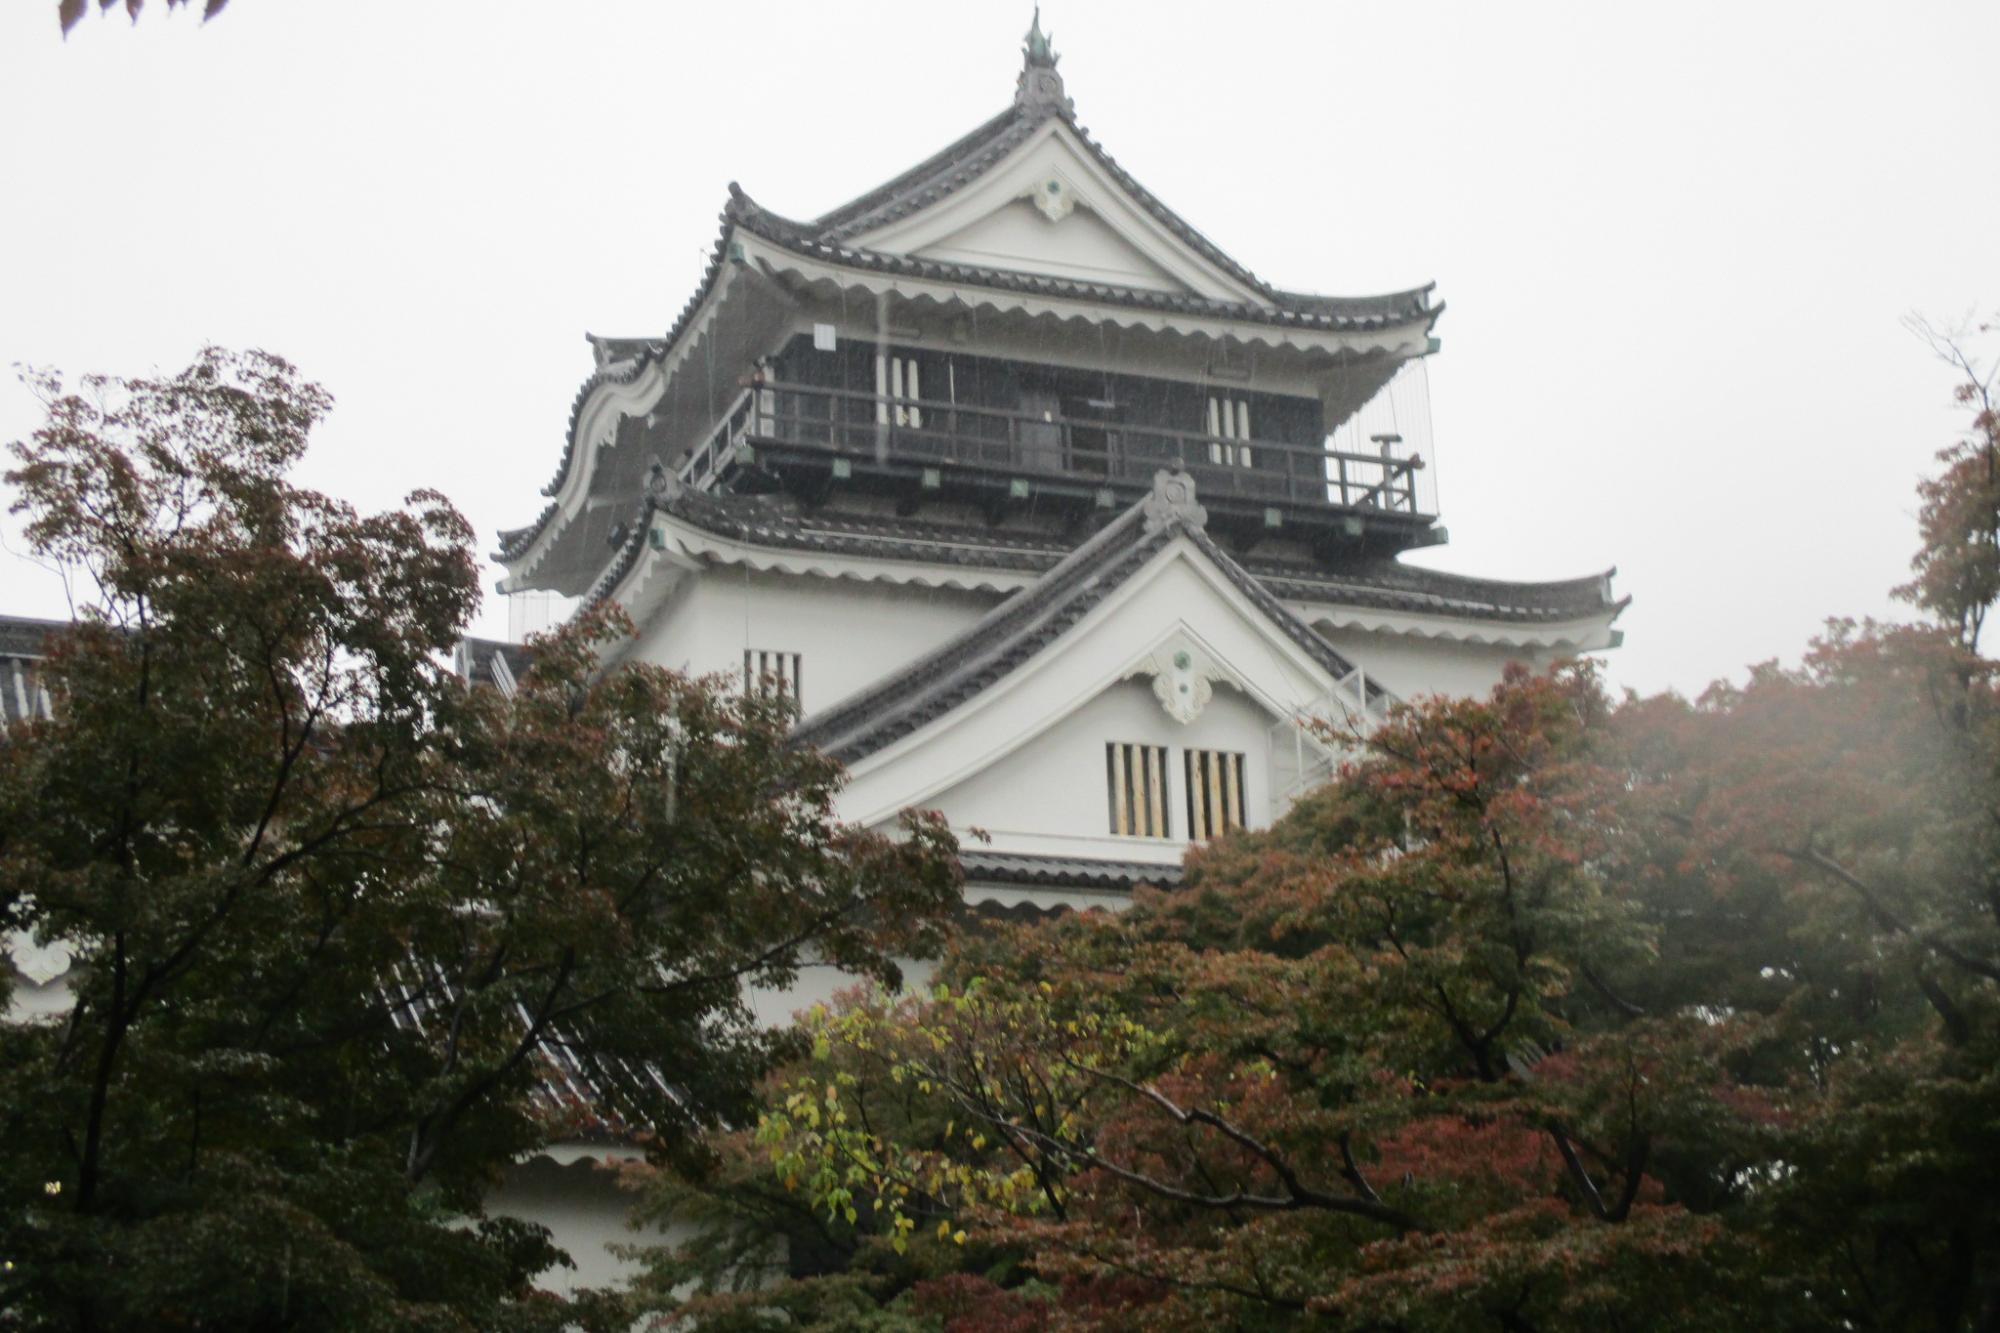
[[1018, 629], [1280, 308], [967, 159], [1387, 585], [588, 1095], [772, 522], [991, 648], [25, 636], [1381, 584], [1081, 872]]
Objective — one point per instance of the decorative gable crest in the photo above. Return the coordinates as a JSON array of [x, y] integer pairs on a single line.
[[1055, 197], [1184, 677]]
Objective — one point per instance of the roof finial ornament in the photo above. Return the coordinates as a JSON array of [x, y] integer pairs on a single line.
[[1040, 85], [1037, 48]]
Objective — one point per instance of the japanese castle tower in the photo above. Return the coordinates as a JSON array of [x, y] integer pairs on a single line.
[[1048, 513]]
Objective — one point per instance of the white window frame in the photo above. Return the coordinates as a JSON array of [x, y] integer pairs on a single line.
[[1229, 423]]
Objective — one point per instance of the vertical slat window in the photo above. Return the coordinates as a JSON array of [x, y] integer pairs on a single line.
[[1214, 792], [1135, 779], [897, 388], [1229, 423], [769, 672]]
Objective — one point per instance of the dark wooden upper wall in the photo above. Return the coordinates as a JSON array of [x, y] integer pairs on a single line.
[[1073, 393]]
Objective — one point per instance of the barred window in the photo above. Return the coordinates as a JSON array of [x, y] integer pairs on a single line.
[[1229, 422], [896, 377], [1214, 792], [768, 672], [1136, 776]]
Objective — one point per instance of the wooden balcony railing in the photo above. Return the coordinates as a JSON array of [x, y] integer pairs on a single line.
[[920, 432]]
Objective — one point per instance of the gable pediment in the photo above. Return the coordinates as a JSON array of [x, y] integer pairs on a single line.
[[1021, 237], [1051, 207], [1178, 622]]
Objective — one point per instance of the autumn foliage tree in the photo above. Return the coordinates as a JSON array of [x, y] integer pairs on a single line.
[[333, 912], [1550, 1013]]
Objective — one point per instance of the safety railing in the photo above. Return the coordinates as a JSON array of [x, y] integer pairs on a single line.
[[886, 429]]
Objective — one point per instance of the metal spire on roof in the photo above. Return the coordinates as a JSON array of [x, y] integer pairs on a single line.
[[1040, 55], [1039, 84]]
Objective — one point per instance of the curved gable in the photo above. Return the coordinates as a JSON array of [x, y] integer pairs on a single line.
[[1055, 179]]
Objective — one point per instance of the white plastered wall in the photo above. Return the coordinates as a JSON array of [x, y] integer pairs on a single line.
[[849, 634], [577, 1193], [1080, 245], [1050, 796], [1412, 666], [820, 983], [1180, 598], [31, 1001]]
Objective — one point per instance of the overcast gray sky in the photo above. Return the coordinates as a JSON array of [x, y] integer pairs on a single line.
[[1675, 240]]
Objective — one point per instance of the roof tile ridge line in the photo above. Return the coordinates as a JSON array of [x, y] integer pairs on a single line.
[[36, 622], [777, 541], [626, 558], [611, 372], [1420, 578], [944, 691], [1158, 207], [686, 505], [1385, 599], [741, 207], [942, 184], [779, 545], [912, 178], [1200, 239], [983, 853], [829, 231], [838, 520], [1020, 280], [1406, 294], [941, 538], [1026, 608], [713, 514], [1024, 604], [514, 540], [1260, 596], [1435, 579]]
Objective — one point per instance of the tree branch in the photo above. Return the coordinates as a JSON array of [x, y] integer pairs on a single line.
[[1297, 1193], [1889, 921], [1585, 1186]]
